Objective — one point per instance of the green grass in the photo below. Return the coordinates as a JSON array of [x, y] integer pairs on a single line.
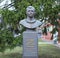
[[12, 53], [44, 51], [48, 51]]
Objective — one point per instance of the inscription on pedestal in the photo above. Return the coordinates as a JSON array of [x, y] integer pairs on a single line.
[[30, 45]]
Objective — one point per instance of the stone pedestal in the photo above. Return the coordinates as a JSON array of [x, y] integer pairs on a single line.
[[30, 44]]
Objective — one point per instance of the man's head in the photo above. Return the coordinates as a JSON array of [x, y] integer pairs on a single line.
[[30, 11]]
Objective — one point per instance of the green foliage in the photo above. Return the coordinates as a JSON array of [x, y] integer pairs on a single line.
[[8, 41], [13, 18], [20, 13]]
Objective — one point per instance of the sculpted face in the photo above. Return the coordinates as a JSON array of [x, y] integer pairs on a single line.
[[30, 11]]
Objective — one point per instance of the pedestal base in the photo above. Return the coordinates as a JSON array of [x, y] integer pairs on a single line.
[[30, 57]]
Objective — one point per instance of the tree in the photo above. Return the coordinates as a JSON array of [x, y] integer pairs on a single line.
[[13, 17]]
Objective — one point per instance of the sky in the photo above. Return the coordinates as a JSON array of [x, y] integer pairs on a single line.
[[6, 2]]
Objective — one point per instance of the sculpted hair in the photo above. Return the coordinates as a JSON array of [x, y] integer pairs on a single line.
[[30, 7]]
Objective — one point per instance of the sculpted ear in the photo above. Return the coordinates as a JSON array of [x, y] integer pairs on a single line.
[[34, 12]]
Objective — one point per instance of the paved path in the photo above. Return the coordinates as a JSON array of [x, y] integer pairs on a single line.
[[49, 42]]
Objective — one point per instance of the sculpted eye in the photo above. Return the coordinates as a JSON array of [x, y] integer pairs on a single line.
[[28, 10], [32, 11]]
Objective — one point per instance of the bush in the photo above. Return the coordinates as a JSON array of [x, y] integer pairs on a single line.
[[8, 41]]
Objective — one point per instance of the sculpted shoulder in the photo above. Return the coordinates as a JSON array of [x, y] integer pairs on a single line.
[[38, 22], [22, 21]]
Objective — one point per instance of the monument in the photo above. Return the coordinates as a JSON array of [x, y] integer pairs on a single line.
[[30, 38]]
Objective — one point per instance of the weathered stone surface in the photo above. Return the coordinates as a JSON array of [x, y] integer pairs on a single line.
[[30, 44]]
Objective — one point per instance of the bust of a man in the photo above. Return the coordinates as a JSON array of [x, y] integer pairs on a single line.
[[30, 22]]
